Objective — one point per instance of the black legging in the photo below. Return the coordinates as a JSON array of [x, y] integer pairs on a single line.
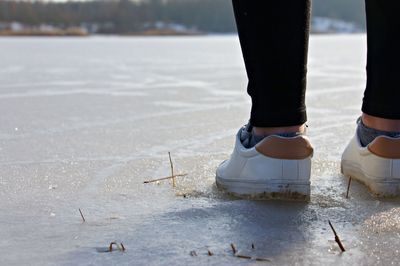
[[274, 43]]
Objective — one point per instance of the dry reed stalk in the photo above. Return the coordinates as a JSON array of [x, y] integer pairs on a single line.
[[83, 217], [250, 258], [172, 170], [163, 178], [172, 176], [111, 245], [234, 250], [348, 188], [120, 246], [262, 259], [337, 239]]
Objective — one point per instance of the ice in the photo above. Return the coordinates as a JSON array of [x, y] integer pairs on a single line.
[[84, 121]]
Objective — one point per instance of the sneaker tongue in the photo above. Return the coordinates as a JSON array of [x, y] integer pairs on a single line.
[[248, 127], [245, 136]]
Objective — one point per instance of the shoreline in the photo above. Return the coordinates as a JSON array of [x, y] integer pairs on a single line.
[[149, 33]]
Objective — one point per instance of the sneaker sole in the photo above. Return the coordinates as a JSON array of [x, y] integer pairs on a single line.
[[265, 190], [389, 188]]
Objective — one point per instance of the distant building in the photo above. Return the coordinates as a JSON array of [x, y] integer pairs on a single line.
[[167, 28], [16, 26], [91, 27], [46, 28], [160, 25], [19, 29], [328, 25]]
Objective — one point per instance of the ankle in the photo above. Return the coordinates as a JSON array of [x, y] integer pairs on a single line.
[[263, 131], [383, 124]]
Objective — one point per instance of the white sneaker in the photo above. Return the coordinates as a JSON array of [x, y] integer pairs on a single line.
[[377, 165], [277, 167]]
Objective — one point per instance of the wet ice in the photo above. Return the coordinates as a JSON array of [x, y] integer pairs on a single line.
[[85, 121]]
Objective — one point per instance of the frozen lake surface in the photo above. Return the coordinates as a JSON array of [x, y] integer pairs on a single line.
[[84, 121]]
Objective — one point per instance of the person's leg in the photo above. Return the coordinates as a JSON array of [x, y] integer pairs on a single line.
[[271, 158], [274, 41], [381, 108], [373, 155]]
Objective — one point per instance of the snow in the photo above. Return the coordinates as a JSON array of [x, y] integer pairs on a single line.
[[85, 121]]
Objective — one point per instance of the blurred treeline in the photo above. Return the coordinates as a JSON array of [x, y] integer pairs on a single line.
[[126, 16]]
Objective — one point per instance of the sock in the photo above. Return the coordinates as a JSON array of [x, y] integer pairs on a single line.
[[249, 139], [367, 134]]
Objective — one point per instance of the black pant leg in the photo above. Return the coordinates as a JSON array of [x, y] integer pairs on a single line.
[[274, 40], [382, 94]]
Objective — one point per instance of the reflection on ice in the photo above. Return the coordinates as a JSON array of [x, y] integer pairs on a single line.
[[386, 221]]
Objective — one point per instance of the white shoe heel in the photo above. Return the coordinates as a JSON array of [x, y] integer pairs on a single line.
[[276, 168]]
